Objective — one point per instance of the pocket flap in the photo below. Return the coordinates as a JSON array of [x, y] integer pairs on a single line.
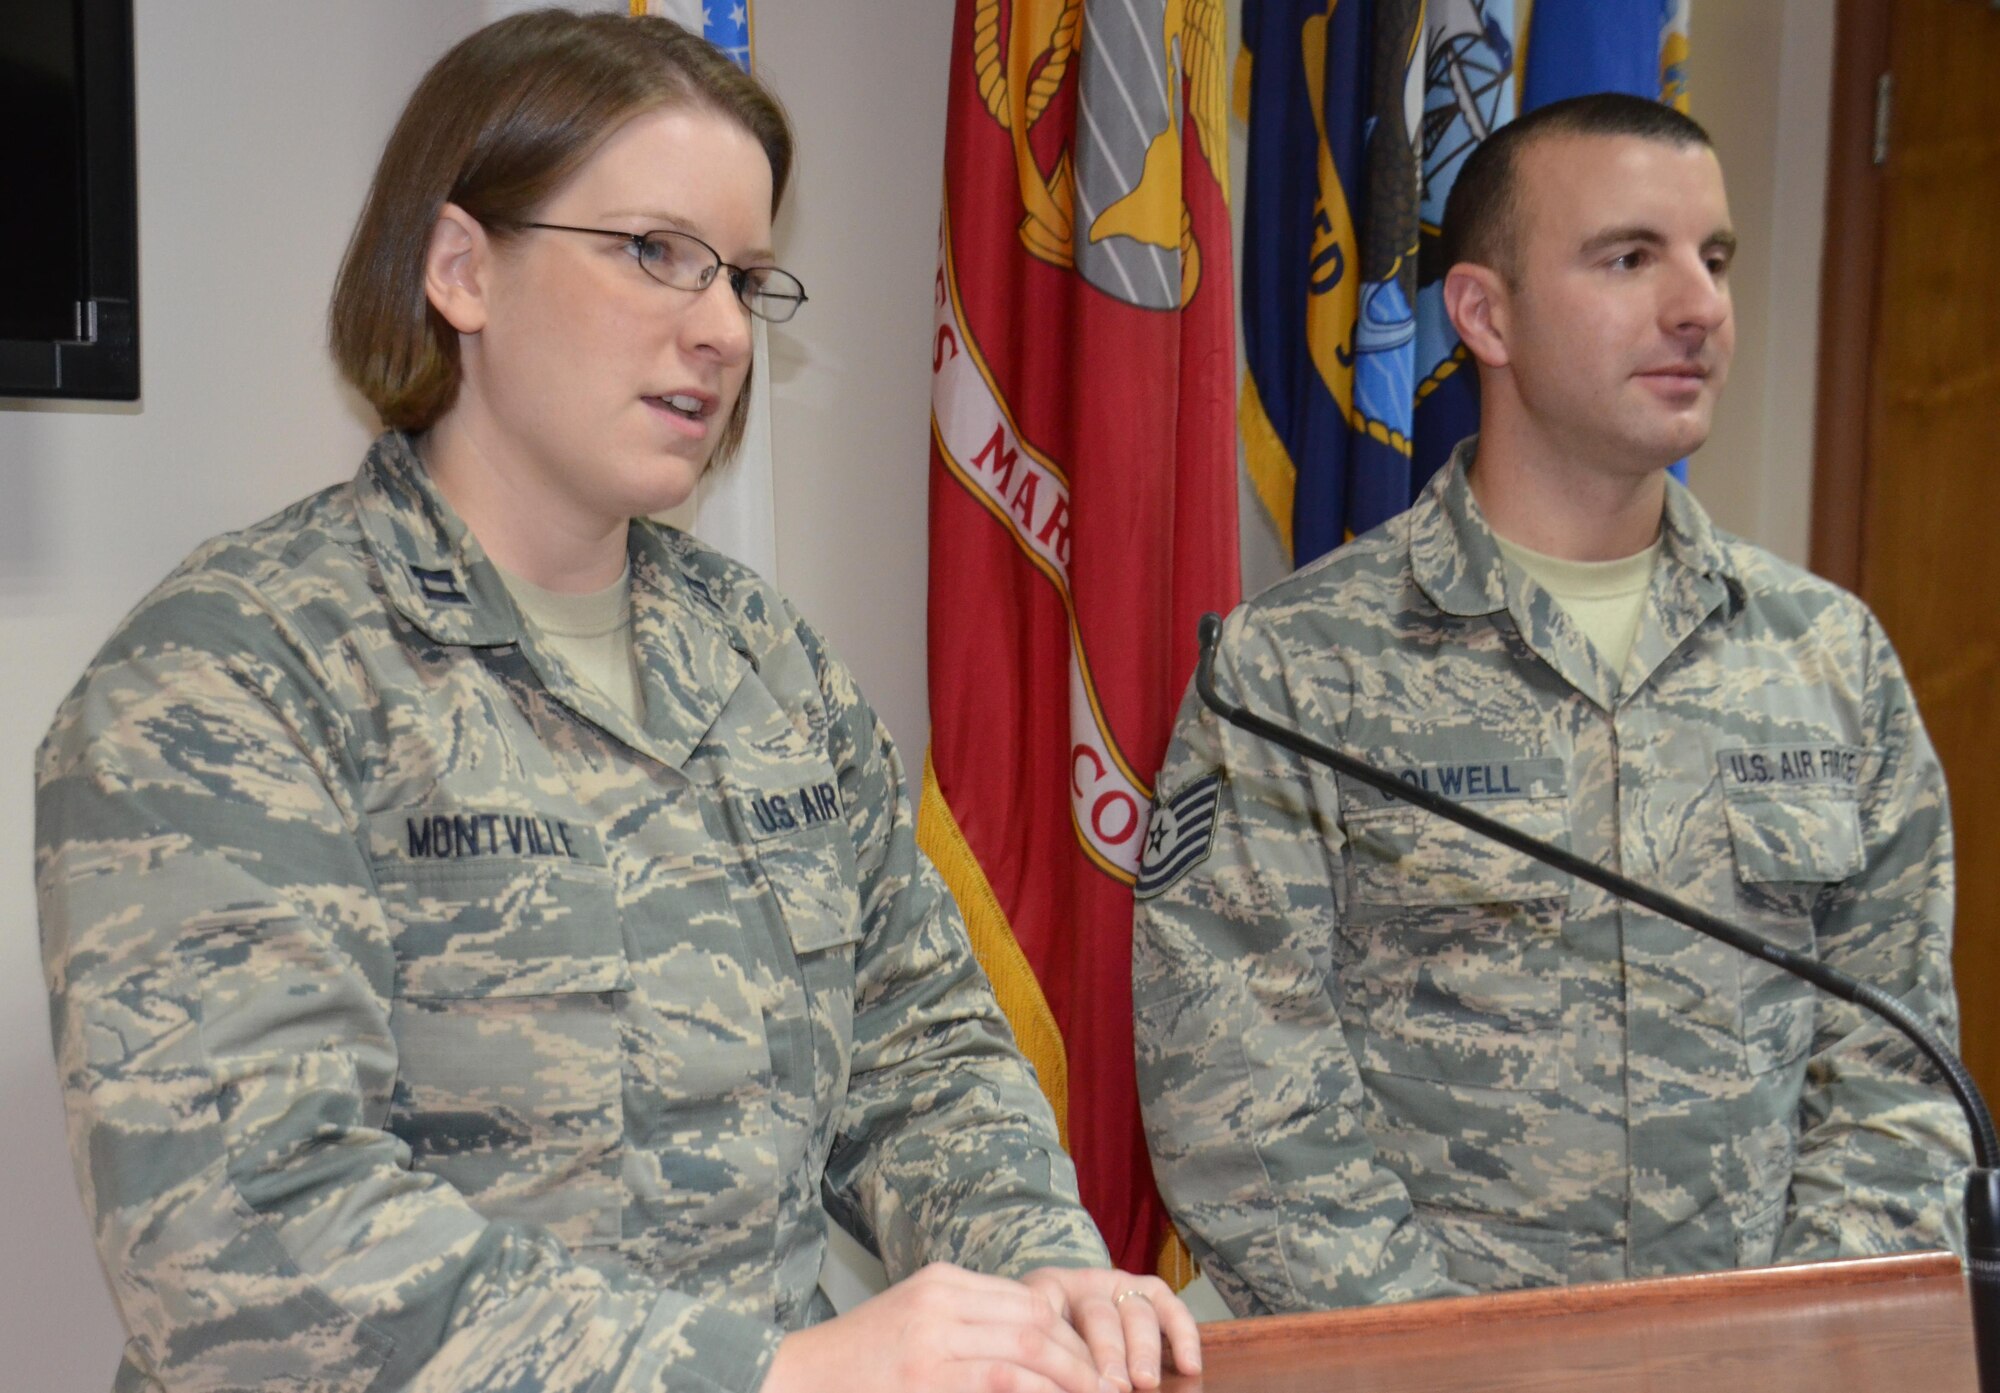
[[501, 931], [812, 878], [1403, 856], [1795, 839]]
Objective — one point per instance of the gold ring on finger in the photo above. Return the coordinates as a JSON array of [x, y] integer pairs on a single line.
[[1133, 1292]]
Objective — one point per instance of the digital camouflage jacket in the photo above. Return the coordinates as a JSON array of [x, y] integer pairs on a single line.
[[1382, 1058], [422, 1020]]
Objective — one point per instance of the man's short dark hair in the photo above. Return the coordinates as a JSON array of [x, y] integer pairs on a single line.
[[1482, 215]]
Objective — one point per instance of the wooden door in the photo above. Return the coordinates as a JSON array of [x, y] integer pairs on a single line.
[[1908, 493]]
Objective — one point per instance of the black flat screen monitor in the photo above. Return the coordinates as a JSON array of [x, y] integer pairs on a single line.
[[69, 243]]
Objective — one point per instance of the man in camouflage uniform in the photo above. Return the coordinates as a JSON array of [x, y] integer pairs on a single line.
[[1381, 1058], [419, 1010]]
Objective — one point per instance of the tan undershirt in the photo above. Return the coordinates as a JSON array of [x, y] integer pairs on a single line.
[[1605, 599], [593, 633]]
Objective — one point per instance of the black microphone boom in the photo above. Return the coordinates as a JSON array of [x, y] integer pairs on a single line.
[[1982, 1190]]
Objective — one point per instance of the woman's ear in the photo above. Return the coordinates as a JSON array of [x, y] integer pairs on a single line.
[[1476, 298], [455, 267]]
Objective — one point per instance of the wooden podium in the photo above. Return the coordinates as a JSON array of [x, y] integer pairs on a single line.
[[1899, 1323]]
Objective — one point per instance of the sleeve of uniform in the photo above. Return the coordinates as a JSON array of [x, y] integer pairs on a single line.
[[1882, 1141], [220, 976], [946, 1149], [1247, 1085]]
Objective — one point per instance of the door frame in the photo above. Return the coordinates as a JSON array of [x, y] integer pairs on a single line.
[[1848, 300]]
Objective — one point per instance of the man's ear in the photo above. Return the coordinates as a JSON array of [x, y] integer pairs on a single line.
[[455, 266], [1477, 299]]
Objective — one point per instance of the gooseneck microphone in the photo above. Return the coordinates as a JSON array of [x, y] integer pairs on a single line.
[[1982, 1187]]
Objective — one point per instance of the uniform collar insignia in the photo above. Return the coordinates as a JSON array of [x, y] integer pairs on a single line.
[[432, 568]]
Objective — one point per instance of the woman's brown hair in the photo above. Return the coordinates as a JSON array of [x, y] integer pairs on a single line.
[[496, 127]]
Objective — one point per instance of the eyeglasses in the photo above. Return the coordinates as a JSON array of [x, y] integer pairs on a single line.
[[682, 261]]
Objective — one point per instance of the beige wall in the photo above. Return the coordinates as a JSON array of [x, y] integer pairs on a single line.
[[259, 124], [1762, 83], [258, 128], [850, 419]]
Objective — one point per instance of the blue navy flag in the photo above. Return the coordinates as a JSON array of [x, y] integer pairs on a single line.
[[1580, 46], [1329, 262], [1360, 114]]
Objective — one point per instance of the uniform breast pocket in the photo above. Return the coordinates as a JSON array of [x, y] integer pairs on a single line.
[[1452, 965], [506, 1018], [1788, 850]]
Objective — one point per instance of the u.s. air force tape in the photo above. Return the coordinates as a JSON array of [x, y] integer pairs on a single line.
[[1180, 835]]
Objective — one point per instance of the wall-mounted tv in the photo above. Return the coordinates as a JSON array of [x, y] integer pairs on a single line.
[[69, 236]]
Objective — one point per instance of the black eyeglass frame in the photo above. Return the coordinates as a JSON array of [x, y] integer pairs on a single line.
[[739, 276]]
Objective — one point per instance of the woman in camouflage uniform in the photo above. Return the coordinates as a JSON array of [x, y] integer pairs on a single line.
[[485, 933]]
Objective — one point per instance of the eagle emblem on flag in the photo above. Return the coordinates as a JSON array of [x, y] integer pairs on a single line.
[[1122, 182]]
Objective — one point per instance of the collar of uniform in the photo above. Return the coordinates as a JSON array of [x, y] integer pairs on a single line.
[[1698, 554], [431, 565], [691, 656], [438, 577], [1457, 561], [1453, 555], [1694, 580]]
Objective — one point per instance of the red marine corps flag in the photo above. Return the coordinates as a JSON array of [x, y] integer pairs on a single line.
[[1083, 514]]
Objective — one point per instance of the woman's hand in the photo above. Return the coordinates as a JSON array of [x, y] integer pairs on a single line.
[[1122, 1318], [946, 1329]]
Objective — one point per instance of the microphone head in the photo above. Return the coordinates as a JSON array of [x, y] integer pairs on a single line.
[[1208, 630]]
